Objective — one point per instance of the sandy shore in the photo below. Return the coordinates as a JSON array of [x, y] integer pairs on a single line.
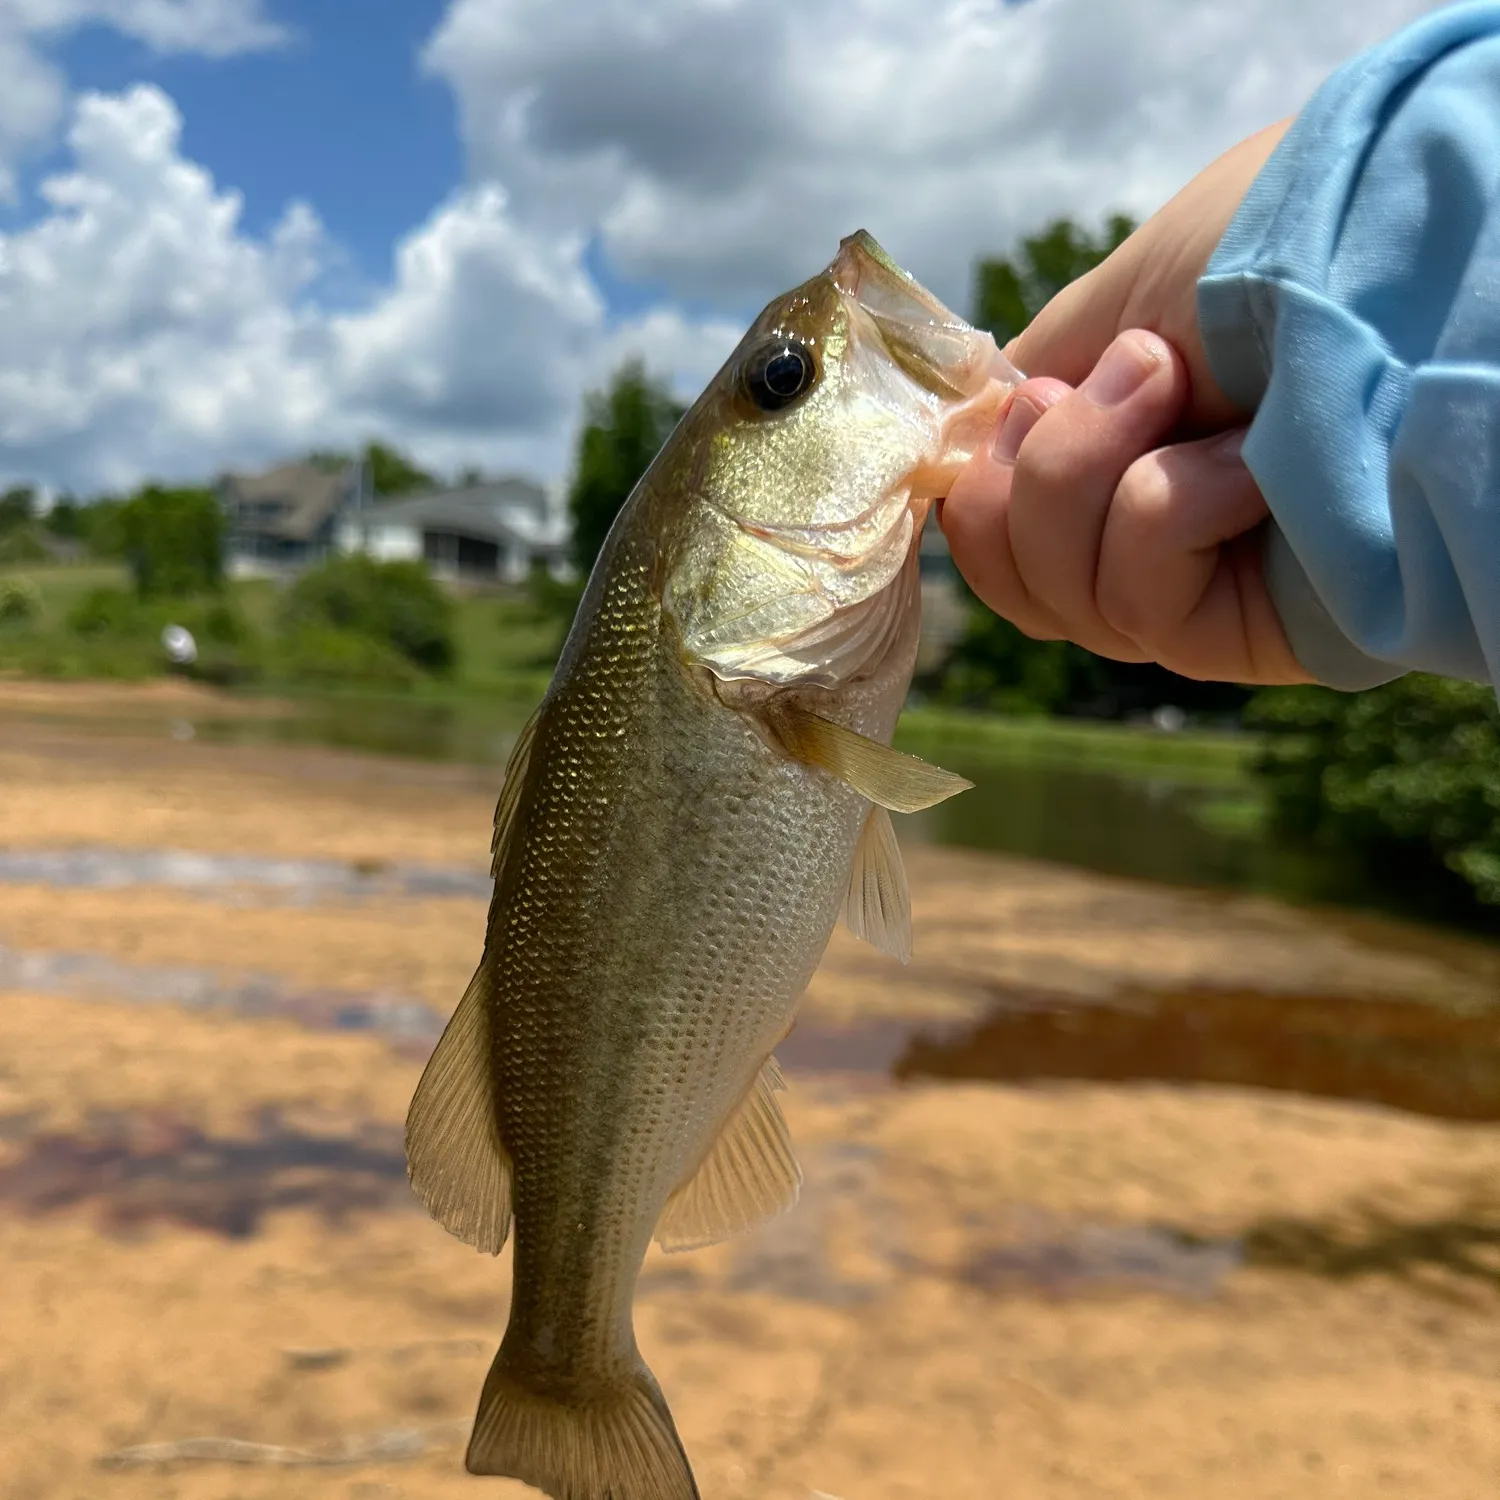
[[1064, 1291]]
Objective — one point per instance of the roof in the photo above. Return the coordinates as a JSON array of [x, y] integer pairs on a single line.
[[501, 510], [291, 502]]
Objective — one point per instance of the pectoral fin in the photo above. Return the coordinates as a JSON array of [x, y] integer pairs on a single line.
[[749, 1175], [887, 777], [454, 1157], [877, 906]]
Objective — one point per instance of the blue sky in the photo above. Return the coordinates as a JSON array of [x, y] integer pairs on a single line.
[[342, 116], [456, 217]]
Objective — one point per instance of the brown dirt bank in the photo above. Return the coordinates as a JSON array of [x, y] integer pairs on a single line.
[[1058, 1292]]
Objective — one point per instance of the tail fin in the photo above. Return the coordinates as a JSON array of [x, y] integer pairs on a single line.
[[618, 1443]]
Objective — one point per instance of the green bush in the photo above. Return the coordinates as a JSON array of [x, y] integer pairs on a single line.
[[394, 605], [995, 668], [117, 626], [1404, 777], [325, 654], [109, 612], [20, 602]]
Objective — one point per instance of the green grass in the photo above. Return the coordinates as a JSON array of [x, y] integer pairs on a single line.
[[505, 644], [1203, 758], [62, 586], [505, 649]]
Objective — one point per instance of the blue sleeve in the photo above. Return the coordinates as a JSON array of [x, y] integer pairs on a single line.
[[1354, 306]]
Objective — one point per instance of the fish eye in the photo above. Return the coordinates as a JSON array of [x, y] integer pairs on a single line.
[[779, 372]]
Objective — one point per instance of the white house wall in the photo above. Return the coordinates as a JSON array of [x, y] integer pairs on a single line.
[[394, 543]]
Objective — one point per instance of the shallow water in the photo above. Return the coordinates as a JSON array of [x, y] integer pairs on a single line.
[[1405, 1054], [92, 976], [300, 881], [1149, 827]]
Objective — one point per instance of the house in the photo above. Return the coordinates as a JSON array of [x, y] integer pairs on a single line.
[[493, 532], [282, 521]]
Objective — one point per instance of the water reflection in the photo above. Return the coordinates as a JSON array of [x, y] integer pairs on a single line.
[[145, 1167], [1404, 1054], [299, 881], [1146, 827], [409, 1023]]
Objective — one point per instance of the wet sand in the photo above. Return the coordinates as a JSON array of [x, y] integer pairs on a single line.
[[1041, 1290]]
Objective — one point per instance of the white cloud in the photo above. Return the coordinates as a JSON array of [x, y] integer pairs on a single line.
[[724, 146], [215, 28], [143, 332], [33, 93], [719, 147]]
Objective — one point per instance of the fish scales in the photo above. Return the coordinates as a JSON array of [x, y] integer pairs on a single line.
[[681, 928], [704, 790]]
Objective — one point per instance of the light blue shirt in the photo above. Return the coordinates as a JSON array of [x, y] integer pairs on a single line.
[[1354, 305]]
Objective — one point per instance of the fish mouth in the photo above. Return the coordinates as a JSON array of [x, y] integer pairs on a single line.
[[930, 341]]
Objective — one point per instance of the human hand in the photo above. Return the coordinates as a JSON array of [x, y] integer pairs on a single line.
[[1151, 282], [1079, 527]]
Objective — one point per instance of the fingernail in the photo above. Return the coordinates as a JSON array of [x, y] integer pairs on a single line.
[[1123, 369], [1020, 418]]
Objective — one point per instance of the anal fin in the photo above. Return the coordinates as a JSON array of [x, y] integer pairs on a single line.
[[749, 1175], [454, 1156], [877, 907]]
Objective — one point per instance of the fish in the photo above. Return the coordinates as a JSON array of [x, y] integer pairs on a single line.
[[704, 790]]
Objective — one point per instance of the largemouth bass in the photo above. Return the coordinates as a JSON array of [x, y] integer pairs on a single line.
[[705, 787]]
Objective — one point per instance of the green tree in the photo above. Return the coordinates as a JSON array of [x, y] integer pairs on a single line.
[[100, 527], [623, 430], [65, 519], [17, 507], [1403, 779], [1010, 290], [173, 540], [393, 473], [996, 668]]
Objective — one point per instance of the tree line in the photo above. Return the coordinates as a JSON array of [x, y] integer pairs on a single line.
[[1403, 780]]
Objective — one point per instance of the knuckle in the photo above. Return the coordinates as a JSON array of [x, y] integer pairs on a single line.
[[1143, 498], [1047, 463], [1126, 612]]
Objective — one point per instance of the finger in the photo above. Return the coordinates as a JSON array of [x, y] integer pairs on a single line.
[[1169, 580], [1171, 511], [1067, 470], [975, 515]]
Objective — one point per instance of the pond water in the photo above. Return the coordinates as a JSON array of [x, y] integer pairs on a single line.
[[1152, 827], [1412, 1055]]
